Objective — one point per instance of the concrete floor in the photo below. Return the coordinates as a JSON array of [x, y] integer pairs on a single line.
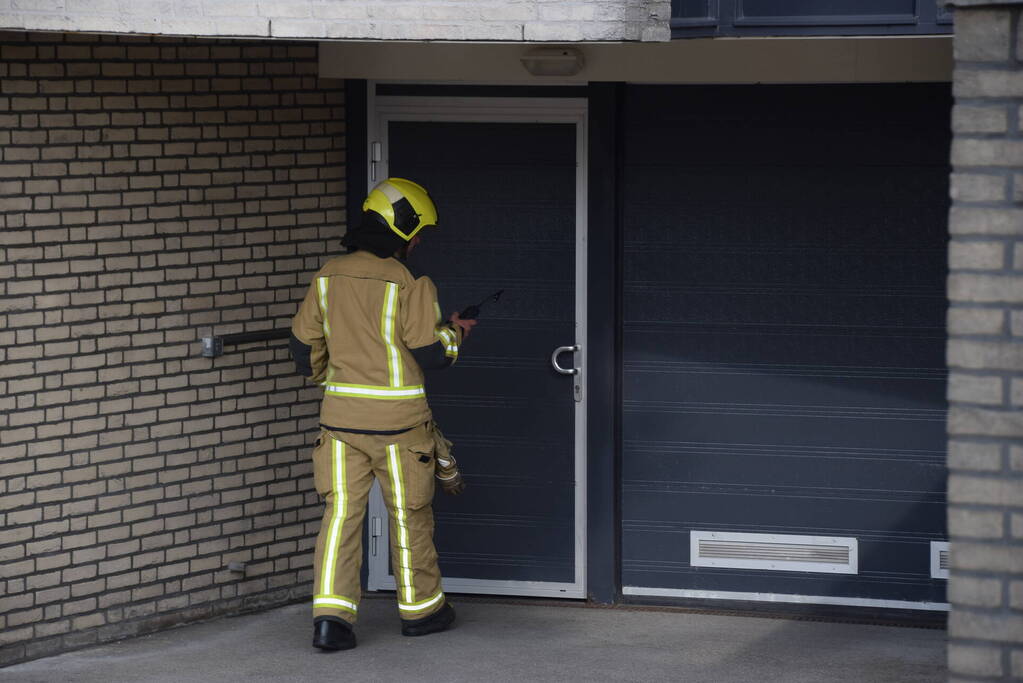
[[510, 642]]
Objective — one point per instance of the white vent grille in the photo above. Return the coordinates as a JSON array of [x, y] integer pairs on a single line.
[[777, 552], [939, 559]]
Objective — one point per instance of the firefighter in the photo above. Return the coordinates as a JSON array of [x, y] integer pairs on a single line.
[[365, 332]]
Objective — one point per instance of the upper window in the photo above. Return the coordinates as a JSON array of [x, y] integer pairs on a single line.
[[808, 17]]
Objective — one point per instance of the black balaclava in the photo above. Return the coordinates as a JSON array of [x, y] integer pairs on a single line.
[[373, 235]]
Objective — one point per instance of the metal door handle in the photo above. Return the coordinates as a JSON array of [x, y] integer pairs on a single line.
[[554, 359]]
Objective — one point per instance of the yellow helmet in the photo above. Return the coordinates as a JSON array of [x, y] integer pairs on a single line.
[[405, 206]]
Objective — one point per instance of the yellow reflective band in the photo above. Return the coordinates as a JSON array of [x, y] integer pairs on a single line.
[[322, 283], [436, 309], [448, 337], [423, 605], [338, 512], [404, 551], [336, 601], [387, 332], [381, 393]]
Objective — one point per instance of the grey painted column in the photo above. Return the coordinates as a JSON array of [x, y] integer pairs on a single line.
[[985, 346]]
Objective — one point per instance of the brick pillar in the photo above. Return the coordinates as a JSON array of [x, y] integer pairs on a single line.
[[985, 346]]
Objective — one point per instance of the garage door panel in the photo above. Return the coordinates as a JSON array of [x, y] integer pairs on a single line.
[[784, 311], [810, 389], [765, 423], [788, 271], [708, 304], [903, 588], [756, 470], [887, 349]]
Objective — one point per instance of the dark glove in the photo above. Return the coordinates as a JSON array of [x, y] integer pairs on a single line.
[[448, 476], [451, 481]]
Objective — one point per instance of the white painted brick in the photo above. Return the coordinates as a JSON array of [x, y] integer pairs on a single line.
[[655, 34], [392, 13], [976, 255], [183, 26], [975, 389], [341, 10], [152, 8], [78, 6], [983, 35], [288, 9], [974, 422], [967, 523], [969, 455], [39, 5], [985, 288], [243, 27], [455, 13], [529, 20], [977, 187], [976, 592], [974, 661], [971, 119], [231, 8], [569, 11], [551, 32], [345, 29], [975, 321]]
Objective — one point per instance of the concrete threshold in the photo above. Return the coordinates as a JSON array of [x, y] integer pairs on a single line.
[[511, 640]]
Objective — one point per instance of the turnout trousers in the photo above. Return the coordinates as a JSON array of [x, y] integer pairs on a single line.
[[344, 466]]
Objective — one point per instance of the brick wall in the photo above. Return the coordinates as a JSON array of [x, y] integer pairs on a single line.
[[523, 20], [153, 190], [985, 350]]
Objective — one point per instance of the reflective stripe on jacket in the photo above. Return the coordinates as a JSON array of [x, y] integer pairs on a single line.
[[354, 334]]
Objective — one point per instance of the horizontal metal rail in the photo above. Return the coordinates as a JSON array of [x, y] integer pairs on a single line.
[[214, 346], [247, 337]]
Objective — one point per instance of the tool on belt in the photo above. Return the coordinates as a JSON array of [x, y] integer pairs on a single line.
[[473, 311]]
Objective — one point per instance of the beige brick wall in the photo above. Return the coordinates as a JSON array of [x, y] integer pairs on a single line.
[[985, 348], [153, 191], [470, 20]]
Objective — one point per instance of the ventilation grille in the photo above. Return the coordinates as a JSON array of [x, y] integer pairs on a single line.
[[939, 559], [830, 554]]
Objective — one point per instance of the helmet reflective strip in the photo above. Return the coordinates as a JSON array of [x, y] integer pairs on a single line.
[[338, 512], [387, 331], [386, 393], [322, 283], [392, 193], [336, 601], [404, 551], [420, 606]]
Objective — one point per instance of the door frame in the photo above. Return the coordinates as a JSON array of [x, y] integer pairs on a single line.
[[381, 110]]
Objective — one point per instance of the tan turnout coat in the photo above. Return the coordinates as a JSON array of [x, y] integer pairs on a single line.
[[361, 318]]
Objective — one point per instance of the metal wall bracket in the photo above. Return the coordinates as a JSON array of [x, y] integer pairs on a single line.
[[212, 347]]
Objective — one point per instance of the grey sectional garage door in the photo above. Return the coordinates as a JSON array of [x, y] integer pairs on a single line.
[[784, 332]]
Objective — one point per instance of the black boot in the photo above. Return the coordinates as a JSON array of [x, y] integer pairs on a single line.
[[438, 621], [331, 633]]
